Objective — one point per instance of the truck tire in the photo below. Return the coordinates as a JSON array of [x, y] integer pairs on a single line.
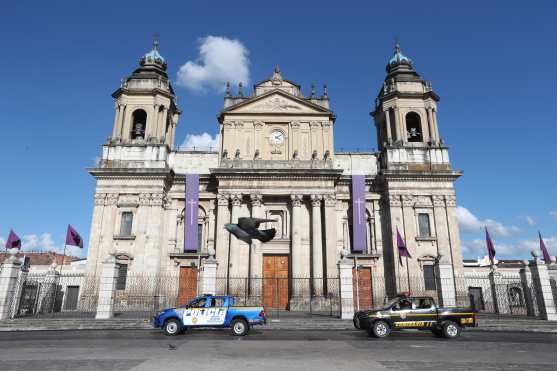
[[172, 327], [239, 327], [356, 321], [379, 329], [450, 330], [437, 332]]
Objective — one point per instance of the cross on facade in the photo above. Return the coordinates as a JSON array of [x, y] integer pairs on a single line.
[[191, 202], [358, 202]]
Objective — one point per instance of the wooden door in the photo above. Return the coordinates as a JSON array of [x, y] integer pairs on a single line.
[[362, 288], [275, 281], [188, 285]]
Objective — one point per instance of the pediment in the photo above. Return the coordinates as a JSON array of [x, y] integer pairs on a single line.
[[276, 102]]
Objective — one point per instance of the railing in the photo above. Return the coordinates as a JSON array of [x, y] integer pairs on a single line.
[[142, 295]]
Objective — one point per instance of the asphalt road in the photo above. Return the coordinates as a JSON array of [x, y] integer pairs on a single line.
[[273, 350]]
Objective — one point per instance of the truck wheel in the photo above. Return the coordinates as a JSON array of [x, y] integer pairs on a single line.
[[380, 329], [172, 327], [451, 330], [356, 322], [239, 327]]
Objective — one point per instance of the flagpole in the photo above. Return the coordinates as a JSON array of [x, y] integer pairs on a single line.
[[63, 259]]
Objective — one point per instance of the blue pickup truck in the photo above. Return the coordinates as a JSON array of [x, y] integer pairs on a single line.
[[209, 311]]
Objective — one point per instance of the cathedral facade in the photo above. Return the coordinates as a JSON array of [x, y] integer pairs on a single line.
[[159, 209]]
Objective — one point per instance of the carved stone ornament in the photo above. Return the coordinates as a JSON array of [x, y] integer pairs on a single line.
[[296, 200], [295, 124], [258, 124], [408, 200], [222, 199], [227, 123], [128, 200], [316, 200], [236, 199], [276, 104], [451, 200], [330, 200], [157, 199], [256, 199], [394, 200], [315, 124], [144, 199], [100, 198], [111, 199], [423, 201], [438, 200]]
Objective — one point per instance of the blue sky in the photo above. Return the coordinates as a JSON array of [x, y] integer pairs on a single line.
[[492, 63]]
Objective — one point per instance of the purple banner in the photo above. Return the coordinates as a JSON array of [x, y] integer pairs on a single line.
[[359, 240], [191, 238]]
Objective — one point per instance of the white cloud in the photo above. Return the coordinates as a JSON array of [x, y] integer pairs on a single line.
[[553, 214], [2, 242], [204, 141], [518, 249], [45, 243], [468, 222], [529, 220], [220, 60]]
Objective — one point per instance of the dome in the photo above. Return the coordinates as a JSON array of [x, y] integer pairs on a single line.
[[399, 58], [153, 58]]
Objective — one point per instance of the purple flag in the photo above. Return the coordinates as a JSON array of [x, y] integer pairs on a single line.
[[545, 253], [359, 240], [191, 239], [402, 250], [13, 241], [490, 247], [73, 238]]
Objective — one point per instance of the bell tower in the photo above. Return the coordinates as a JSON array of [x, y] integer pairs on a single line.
[[405, 117], [146, 111], [417, 184]]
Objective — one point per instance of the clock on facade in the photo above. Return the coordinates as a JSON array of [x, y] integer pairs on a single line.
[[277, 137]]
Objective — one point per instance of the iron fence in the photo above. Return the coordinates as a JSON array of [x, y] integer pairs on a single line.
[[142, 295]]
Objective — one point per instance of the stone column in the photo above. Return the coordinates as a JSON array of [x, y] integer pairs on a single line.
[[256, 255], [116, 129], [435, 127], [494, 281], [222, 236], [544, 295], [331, 253], [235, 253], [317, 245], [209, 276], [8, 285], [297, 253], [107, 288], [445, 287], [211, 230], [346, 289], [526, 280], [397, 125], [388, 126], [377, 230], [430, 125]]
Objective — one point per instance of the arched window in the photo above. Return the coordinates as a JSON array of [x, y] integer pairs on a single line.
[[414, 127], [139, 122]]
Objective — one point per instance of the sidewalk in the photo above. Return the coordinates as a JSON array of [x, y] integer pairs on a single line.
[[284, 321]]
